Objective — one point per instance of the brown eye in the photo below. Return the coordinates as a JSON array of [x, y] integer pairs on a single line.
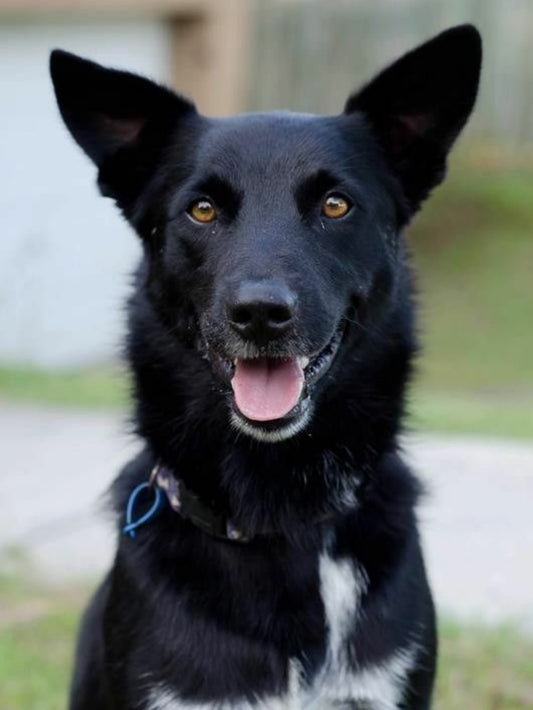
[[335, 206], [203, 211]]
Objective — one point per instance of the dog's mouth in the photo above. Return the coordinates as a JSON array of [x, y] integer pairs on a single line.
[[270, 392]]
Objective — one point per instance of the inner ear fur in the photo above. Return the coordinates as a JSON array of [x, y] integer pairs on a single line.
[[119, 119], [419, 104]]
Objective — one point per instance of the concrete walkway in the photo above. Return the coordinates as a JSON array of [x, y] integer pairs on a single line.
[[477, 520]]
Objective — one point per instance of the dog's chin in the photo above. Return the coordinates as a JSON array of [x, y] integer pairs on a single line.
[[277, 429], [312, 369]]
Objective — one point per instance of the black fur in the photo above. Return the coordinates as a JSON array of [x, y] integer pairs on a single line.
[[209, 619]]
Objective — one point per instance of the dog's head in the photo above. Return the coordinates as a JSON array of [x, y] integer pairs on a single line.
[[272, 241]]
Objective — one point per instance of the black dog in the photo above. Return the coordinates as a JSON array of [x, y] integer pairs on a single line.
[[271, 339]]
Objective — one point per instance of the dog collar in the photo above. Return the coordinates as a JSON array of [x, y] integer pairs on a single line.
[[164, 484]]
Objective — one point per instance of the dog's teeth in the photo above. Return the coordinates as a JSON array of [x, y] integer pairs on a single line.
[[303, 362]]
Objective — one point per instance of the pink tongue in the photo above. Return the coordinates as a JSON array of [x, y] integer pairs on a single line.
[[267, 389]]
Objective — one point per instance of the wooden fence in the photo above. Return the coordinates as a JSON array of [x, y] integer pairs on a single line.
[[307, 55]]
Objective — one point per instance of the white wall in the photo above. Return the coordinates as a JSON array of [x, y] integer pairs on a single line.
[[65, 252]]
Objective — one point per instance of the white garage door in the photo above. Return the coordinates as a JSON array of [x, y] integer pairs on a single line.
[[65, 253]]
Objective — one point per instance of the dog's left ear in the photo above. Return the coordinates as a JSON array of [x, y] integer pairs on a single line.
[[418, 106], [122, 121]]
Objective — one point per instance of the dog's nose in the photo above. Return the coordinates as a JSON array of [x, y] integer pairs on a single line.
[[261, 310]]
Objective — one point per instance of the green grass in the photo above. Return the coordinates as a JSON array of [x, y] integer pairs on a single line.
[[473, 252], [484, 669], [35, 662], [473, 249], [95, 388], [470, 412], [37, 631], [479, 669]]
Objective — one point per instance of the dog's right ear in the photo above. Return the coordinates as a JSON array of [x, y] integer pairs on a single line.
[[419, 104], [122, 121]]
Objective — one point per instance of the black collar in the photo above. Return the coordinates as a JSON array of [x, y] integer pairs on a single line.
[[190, 507]]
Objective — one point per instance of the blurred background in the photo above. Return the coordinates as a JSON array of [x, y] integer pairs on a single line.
[[65, 260]]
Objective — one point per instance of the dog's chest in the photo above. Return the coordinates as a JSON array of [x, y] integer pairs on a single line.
[[338, 685]]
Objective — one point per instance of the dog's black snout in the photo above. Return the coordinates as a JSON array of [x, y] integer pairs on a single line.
[[261, 310]]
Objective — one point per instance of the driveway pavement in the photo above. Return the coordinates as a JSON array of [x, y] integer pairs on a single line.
[[476, 520]]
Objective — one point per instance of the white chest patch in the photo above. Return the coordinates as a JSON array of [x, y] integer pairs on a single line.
[[338, 685], [341, 588], [380, 686], [161, 698]]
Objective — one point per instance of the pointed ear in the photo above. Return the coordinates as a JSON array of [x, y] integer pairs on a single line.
[[419, 104], [122, 121]]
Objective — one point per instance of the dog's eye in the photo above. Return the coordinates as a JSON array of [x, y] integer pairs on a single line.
[[335, 206], [203, 210]]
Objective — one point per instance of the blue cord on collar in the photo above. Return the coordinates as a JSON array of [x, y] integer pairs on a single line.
[[131, 525]]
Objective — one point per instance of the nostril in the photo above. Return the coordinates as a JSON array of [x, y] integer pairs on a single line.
[[240, 315], [279, 314]]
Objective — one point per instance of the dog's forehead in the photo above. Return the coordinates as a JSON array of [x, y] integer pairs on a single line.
[[273, 142]]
